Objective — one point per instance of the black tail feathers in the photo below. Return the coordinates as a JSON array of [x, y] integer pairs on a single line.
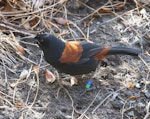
[[123, 50]]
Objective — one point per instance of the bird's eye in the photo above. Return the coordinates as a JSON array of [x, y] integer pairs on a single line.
[[38, 42]]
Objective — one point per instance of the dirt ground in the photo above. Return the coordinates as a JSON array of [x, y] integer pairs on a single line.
[[121, 84]]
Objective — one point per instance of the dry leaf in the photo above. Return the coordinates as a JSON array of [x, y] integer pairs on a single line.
[[133, 98], [50, 76], [73, 81], [146, 52], [7, 7], [25, 23], [131, 85], [23, 74], [38, 3], [36, 69], [12, 85], [62, 21], [85, 24], [20, 49], [144, 14], [119, 6], [19, 4], [33, 23], [19, 105], [1, 94], [105, 10]]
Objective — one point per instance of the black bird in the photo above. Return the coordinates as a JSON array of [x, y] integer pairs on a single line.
[[74, 57]]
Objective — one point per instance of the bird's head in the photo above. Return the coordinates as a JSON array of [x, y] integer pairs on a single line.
[[45, 40], [50, 44]]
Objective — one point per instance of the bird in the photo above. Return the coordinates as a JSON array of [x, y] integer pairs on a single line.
[[77, 57]]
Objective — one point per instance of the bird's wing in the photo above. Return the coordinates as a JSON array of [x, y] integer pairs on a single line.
[[75, 52], [90, 49]]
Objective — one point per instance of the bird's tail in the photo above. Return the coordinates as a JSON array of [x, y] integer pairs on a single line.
[[123, 50], [104, 52]]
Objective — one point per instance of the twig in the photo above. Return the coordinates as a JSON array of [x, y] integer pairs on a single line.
[[123, 109], [7, 101], [30, 13], [148, 67], [37, 90], [6, 80], [81, 116], [105, 100], [30, 86], [101, 103], [147, 111], [16, 30]]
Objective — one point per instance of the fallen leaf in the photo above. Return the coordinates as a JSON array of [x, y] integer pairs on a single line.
[[36, 69], [119, 6], [50, 76], [20, 49], [1, 94], [19, 105], [25, 23], [62, 21], [133, 98], [85, 24], [131, 85], [7, 7], [73, 81], [12, 85], [34, 22], [146, 53], [105, 10], [23, 74], [19, 4]]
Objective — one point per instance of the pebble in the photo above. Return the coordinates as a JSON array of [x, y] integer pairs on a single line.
[[128, 93], [137, 85], [131, 113], [97, 23], [140, 105], [114, 95], [117, 104], [132, 101], [23, 74], [147, 94]]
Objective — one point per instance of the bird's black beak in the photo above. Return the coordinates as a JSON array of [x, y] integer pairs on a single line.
[[40, 39], [36, 38]]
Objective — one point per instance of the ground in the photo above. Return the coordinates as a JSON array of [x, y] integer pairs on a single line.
[[120, 86]]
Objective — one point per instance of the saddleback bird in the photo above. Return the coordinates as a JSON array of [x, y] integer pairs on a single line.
[[74, 57]]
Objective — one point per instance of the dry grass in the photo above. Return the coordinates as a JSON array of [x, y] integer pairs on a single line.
[[10, 52]]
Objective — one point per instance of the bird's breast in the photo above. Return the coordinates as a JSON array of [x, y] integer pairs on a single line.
[[71, 53]]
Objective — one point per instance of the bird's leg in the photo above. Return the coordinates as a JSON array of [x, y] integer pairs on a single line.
[[59, 80]]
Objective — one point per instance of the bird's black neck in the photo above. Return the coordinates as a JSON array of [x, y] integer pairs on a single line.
[[54, 50]]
